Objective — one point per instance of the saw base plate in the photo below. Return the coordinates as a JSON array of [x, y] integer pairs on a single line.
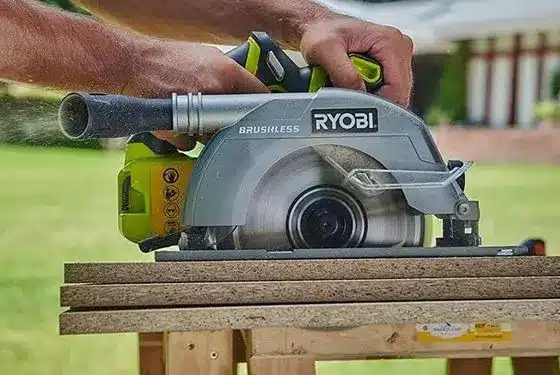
[[361, 252]]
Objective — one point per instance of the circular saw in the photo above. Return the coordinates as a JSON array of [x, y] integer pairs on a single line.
[[305, 171]]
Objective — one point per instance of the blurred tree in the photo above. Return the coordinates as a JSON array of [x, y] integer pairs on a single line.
[[66, 5], [555, 84], [384, 1], [451, 98]]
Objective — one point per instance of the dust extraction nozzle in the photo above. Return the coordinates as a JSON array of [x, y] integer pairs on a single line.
[[84, 115]]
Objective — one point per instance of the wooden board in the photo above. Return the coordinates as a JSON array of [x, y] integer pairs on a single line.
[[405, 340], [305, 315], [341, 269], [275, 292]]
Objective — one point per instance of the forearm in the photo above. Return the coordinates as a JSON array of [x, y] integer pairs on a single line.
[[44, 46], [212, 21]]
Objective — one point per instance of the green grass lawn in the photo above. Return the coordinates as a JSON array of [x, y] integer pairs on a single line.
[[60, 206]]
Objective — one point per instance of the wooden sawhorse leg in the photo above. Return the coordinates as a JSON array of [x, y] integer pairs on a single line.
[[469, 366], [280, 365], [189, 353], [535, 366], [151, 356], [521, 366], [289, 359]]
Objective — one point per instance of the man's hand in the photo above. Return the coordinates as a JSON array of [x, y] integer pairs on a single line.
[[160, 68], [326, 42]]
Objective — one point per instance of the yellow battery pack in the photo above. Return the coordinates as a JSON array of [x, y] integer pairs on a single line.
[[151, 188]]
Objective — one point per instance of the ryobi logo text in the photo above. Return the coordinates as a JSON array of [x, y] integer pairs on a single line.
[[351, 120]]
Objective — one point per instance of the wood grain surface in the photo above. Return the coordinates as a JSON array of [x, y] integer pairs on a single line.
[[340, 269]]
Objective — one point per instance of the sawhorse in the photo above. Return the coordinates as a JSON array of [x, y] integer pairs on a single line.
[[280, 317]]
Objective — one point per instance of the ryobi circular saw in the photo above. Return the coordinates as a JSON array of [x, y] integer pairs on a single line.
[[306, 171]]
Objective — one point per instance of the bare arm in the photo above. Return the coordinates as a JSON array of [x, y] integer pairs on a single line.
[[213, 21], [46, 46], [323, 36], [49, 47], [53, 48]]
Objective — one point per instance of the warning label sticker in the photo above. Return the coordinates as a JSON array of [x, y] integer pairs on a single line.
[[168, 184], [463, 332]]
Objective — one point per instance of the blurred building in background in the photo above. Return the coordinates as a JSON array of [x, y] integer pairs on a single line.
[[505, 54]]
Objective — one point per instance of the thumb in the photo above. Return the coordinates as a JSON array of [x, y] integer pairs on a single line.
[[338, 66]]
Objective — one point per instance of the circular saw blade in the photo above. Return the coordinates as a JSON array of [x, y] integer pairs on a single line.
[[387, 221]]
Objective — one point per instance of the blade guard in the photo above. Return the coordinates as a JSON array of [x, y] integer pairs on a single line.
[[232, 164]]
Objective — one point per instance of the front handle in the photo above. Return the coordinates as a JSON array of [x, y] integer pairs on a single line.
[[262, 57]]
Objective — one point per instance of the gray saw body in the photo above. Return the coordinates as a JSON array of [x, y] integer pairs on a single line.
[[324, 171], [274, 127]]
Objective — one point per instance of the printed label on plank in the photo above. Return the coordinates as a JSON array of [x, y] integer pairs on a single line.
[[463, 332]]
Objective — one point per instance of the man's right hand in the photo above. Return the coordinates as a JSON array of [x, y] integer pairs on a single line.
[[160, 68], [329, 38]]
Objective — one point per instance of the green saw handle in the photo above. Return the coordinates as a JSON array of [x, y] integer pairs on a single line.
[[262, 57]]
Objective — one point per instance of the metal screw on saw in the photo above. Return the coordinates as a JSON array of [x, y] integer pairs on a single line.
[[463, 209]]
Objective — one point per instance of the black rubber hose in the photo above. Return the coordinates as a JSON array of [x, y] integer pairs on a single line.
[[86, 116]]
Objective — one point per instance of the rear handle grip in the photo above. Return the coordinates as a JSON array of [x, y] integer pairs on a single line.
[[262, 57]]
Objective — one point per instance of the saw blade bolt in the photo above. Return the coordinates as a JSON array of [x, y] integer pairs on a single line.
[[464, 209]]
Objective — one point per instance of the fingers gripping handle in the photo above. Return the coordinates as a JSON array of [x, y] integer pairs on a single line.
[[261, 56]]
